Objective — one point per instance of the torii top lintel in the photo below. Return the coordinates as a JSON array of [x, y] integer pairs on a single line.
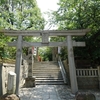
[[49, 32]]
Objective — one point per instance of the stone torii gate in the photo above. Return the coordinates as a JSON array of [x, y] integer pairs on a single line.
[[45, 34]]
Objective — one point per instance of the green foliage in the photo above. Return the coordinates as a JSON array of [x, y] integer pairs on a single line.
[[77, 14], [57, 39], [46, 53], [81, 14], [19, 15], [64, 53]]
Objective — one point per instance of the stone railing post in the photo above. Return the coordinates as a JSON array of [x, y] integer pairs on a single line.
[[2, 80], [11, 86], [99, 75]]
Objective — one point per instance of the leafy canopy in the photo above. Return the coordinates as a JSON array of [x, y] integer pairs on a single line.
[[19, 15]]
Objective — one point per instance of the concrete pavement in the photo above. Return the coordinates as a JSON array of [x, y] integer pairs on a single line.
[[42, 92], [51, 92]]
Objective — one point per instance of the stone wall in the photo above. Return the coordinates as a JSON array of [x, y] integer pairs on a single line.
[[88, 82], [7, 69], [4, 75], [83, 82]]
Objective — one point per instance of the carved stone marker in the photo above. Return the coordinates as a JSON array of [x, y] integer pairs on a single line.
[[11, 83], [30, 80], [30, 62]]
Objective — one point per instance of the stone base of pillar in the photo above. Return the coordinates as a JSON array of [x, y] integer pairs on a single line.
[[30, 82], [9, 97]]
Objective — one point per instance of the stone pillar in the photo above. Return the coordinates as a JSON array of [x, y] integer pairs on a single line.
[[30, 80], [72, 69], [2, 80], [99, 75], [30, 62], [53, 56], [54, 53], [1, 83], [59, 50], [18, 62], [37, 54], [11, 83]]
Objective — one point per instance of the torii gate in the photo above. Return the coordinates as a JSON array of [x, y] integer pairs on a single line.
[[45, 42]]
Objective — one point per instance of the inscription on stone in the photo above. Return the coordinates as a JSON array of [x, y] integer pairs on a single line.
[[45, 38]]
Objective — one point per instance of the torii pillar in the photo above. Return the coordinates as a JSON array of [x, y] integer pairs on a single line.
[[18, 62], [72, 69]]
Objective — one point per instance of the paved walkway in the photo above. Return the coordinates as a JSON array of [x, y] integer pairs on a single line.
[[51, 92], [45, 92]]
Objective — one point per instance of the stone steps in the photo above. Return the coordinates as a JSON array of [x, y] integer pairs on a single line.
[[51, 76], [50, 72], [49, 82], [48, 78], [47, 73]]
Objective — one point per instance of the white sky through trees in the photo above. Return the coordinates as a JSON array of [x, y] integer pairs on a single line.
[[46, 6]]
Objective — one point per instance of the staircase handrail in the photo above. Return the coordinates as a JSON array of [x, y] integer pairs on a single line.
[[62, 70]]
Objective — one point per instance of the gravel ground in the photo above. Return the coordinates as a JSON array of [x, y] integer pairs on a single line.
[[64, 92], [52, 92]]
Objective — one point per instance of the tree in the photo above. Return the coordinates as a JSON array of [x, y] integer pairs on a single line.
[[77, 14], [46, 53], [20, 15], [81, 14]]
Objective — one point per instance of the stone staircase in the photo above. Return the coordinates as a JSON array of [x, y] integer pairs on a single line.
[[47, 73]]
